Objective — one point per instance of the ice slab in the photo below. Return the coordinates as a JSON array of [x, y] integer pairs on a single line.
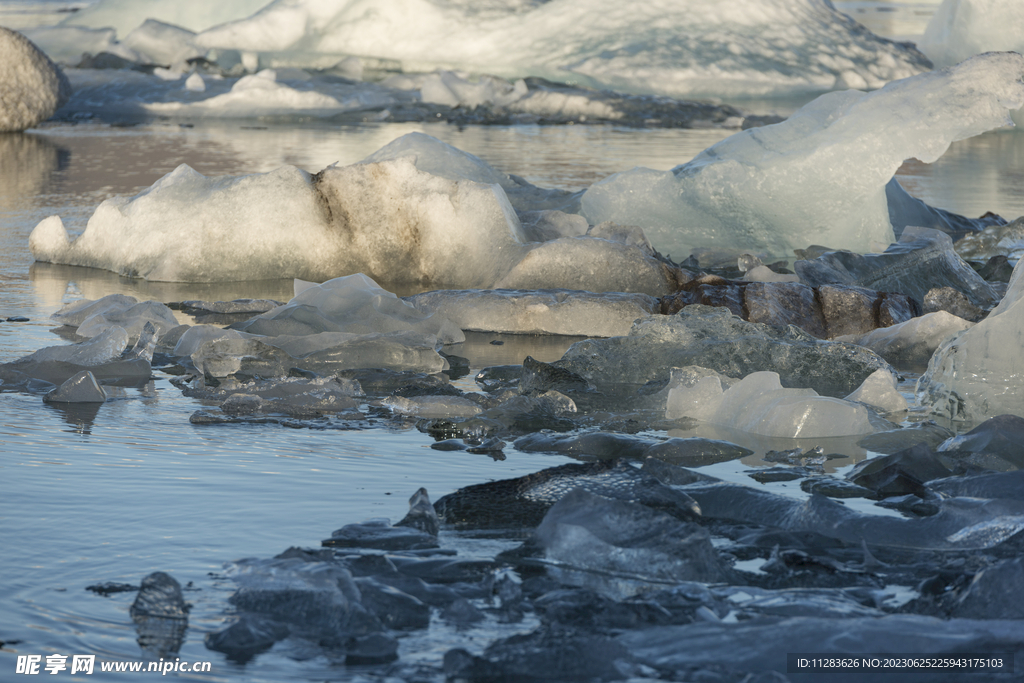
[[353, 304], [818, 177], [701, 48], [433, 406], [715, 339], [922, 260], [980, 372], [31, 86], [760, 405], [911, 344], [567, 312]]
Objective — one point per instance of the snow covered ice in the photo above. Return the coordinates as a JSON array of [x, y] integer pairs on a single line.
[[820, 176]]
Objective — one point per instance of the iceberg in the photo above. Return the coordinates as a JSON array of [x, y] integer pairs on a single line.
[[31, 86], [698, 48], [819, 177], [980, 372]]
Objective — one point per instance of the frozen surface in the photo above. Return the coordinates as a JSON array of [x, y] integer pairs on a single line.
[[539, 311], [105, 346], [760, 405], [962, 28], [980, 373], [818, 177], [700, 48], [31, 86]]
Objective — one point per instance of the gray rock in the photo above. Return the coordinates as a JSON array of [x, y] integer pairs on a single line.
[[952, 301]]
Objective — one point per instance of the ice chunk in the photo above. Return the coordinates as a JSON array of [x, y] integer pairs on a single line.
[[986, 597], [354, 304], [922, 260], [31, 86], [133, 320], [538, 311], [911, 344], [758, 404], [105, 346], [75, 313], [433, 406], [879, 390], [961, 28], [82, 388], [700, 48], [715, 339], [197, 335], [187, 227], [980, 372], [1000, 436], [325, 353], [818, 177], [587, 531], [592, 263]]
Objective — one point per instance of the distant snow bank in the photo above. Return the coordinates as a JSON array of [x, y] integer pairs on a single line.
[[700, 48]]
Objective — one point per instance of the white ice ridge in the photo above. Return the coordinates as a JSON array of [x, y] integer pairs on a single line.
[[980, 373], [962, 28], [389, 217], [680, 49], [194, 15], [760, 405], [818, 177]]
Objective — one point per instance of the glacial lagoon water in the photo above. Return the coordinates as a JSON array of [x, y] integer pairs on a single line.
[[112, 493]]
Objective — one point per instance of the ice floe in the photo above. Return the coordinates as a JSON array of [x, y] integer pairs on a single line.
[[819, 177], [31, 86]]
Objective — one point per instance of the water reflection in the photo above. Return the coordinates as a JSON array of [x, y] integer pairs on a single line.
[[26, 164], [79, 416]]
